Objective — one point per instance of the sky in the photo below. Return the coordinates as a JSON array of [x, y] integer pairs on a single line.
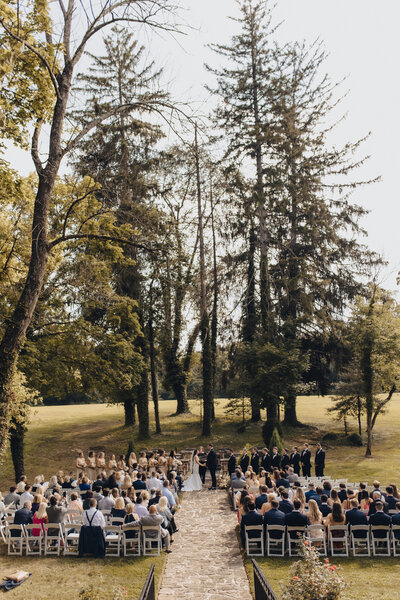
[[361, 37]]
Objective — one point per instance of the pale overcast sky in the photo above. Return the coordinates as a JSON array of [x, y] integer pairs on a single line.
[[363, 42]]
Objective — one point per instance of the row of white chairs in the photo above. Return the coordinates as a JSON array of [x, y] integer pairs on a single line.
[[63, 538], [274, 540]]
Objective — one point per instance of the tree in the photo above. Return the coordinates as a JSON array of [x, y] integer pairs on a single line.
[[57, 62]]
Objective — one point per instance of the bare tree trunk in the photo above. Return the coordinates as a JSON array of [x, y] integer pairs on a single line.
[[153, 372], [367, 371], [204, 319], [17, 435], [214, 316], [129, 410]]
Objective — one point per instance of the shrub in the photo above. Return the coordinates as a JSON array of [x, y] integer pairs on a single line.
[[354, 439], [312, 579], [276, 440], [331, 435]]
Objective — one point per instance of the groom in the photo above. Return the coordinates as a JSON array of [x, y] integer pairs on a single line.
[[211, 463]]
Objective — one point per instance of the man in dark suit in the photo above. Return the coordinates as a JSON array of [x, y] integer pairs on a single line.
[[342, 494], [274, 516], [285, 460], [285, 505], [305, 459], [265, 460], [283, 480], [319, 461], [276, 459], [377, 497], [231, 462], [22, 516], [244, 461], [255, 460], [396, 521], [324, 506], [380, 518], [296, 518], [211, 464], [251, 517], [354, 516], [310, 492], [295, 460], [262, 498], [391, 501]]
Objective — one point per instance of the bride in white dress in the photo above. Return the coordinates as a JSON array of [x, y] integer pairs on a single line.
[[193, 483]]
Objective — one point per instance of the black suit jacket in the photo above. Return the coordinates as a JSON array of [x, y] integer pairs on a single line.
[[285, 461], [396, 521], [320, 458], [255, 461], [23, 516], [266, 462], [305, 458], [325, 509], [250, 518], [295, 519], [285, 506], [260, 500], [231, 464], [354, 516], [276, 461], [244, 462], [380, 518], [211, 461], [295, 459], [274, 517]]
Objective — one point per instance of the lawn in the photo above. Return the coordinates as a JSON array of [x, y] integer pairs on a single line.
[[55, 433]]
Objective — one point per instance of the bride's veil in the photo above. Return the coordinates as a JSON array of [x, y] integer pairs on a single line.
[[192, 461]]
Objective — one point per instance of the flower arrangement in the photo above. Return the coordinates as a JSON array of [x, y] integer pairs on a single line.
[[312, 579], [224, 482]]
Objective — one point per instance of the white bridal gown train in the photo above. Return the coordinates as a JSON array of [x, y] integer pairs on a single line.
[[193, 483]]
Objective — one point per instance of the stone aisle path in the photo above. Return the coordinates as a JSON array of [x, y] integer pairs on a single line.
[[205, 563]]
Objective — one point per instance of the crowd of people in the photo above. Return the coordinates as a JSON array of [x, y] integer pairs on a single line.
[[141, 490], [298, 459]]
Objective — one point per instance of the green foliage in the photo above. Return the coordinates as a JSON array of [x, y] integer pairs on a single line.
[[276, 440], [312, 579]]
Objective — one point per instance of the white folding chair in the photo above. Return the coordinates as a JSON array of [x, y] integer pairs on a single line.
[[254, 545], [276, 544], [106, 512], [360, 546], [151, 540], [293, 541], [15, 539], [131, 540], [53, 539], [112, 535], [71, 538], [315, 534], [73, 516], [339, 544], [396, 540], [33, 542], [380, 545]]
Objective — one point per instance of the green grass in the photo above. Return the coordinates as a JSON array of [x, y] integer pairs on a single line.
[[55, 433], [367, 578]]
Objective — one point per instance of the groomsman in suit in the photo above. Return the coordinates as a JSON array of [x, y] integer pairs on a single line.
[[255, 460], [276, 459], [231, 462], [244, 461], [305, 459], [295, 460], [285, 460], [211, 463], [265, 460], [319, 461]]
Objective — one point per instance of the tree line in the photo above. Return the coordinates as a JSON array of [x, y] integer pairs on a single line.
[[124, 255]]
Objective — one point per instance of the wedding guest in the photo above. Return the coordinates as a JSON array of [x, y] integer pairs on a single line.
[[118, 510], [22, 516], [262, 498], [162, 462], [299, 495], [112, 464], [364, 501], [84, 485], [379, 518], [107, 502], [342, 492], [132, 462], [376, 497], [268, 504], [250, 517], [296, 518], [80, 464], [156, 498], [334, 497], [154, 481], [395, 491], [166, 492], [169, 521], [252, 483], [55, 514], [130, 517], [327, 488], [12, 497], [336, 517], [142, 462], [91, 465], [75, 504], [396, 521], [40, 518], [310, 492], [238, 482], [243, 494], [127, 482], [391, 501], [354, 516], [93, 517], [324, 506], [86, 502], [274, 516], [26, 496], [314, 516], [350, 496], [100, 463], [154, 520], [291, 475], [37, 500], [285, 505], [121, 464]]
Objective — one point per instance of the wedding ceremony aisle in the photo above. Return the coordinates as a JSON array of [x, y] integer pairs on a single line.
[[205, 563]]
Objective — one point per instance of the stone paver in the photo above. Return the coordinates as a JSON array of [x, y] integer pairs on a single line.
[[205, 563]]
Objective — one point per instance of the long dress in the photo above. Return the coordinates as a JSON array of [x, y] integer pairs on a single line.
[[193, 483]]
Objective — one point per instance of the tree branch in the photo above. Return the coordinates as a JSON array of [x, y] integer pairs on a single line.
[[34, 147], [382, 404], [95, 236], [37, 53], [74, 203]]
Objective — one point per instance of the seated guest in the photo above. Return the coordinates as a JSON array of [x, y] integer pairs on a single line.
[[268, 504], [299, 495], [23, 516], [342, 492], [155, 499], [93, 517], [112, 482], [107, 502], [21, 486], [327, 488], [26, 496], [324, 506], [55, 514], [350, 496], [318, 493], [84, 484], [250, 517], [274, 516], [295, 518], [40, 518], [391, 501], [140, 509], [376, 485], [169, 521], [86, 502], [380, 518], [334, 497], [314, 517], [75, 504], [97, 495], [396, 521], [154, 520], [283, 480], [292, 476], [364, 501], [99, 483], [376, 497], [154, 482], [68, 481], [118, 510], [253, 484], [127, 482], [335, 518], [130, 516], [396, 494], [12, 498], [37, 499], [262, 498], [140, 483], [361, 488], [285, 505], [166, 492], [354, 516], [238, 482], [310, 492]]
